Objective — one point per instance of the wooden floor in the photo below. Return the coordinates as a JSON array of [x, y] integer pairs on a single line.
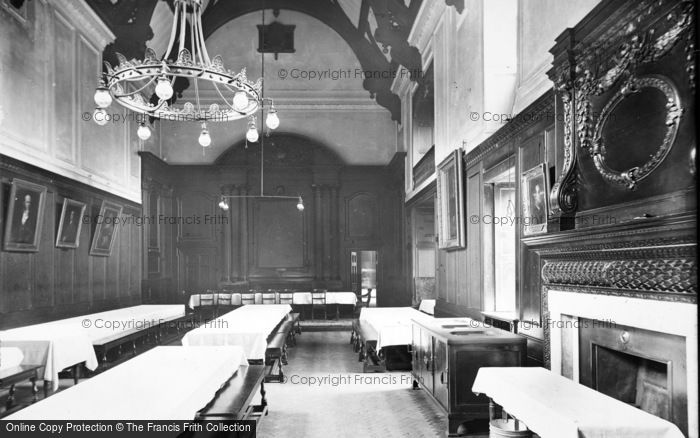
[[345, 404], [352, 408]]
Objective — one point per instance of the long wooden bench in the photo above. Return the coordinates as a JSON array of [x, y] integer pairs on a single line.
[[11, 376], [234, 401], [276, 353], [153, 334]]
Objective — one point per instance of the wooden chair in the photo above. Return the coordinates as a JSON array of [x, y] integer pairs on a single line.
[[248, 298], [318, 301], [224, 303], [207, 305], [269, 297], [287, 297]]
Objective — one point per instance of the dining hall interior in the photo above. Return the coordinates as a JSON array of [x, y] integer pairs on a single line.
[[380, 218]]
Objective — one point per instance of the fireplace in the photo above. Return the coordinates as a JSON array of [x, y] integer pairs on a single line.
[[644, 368], [643, 352]]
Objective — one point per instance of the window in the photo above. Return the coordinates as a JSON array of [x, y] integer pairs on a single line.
[[423, 117], [500, 237]]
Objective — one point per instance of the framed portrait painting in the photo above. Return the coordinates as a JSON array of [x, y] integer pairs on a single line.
[[450, 191], [68, 235], [105, 229], [25, 214], [535, 195]]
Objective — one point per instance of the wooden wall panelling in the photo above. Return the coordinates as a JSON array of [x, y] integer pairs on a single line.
[[53, 282], [474, 284]]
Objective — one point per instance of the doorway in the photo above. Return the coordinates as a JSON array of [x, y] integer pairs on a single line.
[[363, 274], [424, 249]]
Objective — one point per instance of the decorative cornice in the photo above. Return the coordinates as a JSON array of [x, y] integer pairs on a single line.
[[85, 20], [541, 109], [426, 21]]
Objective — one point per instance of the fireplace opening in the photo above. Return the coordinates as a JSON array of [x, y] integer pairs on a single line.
[[632, 379], [644, 368]]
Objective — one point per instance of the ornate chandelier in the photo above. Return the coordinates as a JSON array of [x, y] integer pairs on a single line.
[[238, 96]]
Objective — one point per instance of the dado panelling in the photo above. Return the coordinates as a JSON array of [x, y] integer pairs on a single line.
[[266, 243], [53, 282]]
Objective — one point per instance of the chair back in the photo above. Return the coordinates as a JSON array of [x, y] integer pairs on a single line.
[[207, 299], [224, 299], [318, 297], [269, 297], [286, 297], [248, 298]]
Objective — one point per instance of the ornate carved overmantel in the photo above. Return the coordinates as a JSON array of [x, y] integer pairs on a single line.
[[640, 54]]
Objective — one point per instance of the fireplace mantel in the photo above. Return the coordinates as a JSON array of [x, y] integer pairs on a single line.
[[641, 273], [649, 258]]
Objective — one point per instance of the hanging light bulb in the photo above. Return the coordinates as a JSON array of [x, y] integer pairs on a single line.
[[143, 132], [102, 97], [204, 137], [252, 134], [164, 90], [100, 116], [300, 204], [223, 204], [272, 121], [240, 101]]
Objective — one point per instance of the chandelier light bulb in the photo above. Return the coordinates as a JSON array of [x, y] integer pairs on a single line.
[[240, 101], [252, 134], [164, 90], [272, 121], [300, 204], [100, 116], [223, 205], [143, 132], [204, 137], [102, 97]]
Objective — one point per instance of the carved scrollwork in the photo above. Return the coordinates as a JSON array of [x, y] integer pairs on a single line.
[[563, 196], [597, 71], [631, 177]]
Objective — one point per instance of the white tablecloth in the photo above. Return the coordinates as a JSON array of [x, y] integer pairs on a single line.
[[301, 298], [556, 407], [55, 347], [248, 326], [165, 383], [427, 306], [342, 298], [10, 357], [60, 344], [390, 325]]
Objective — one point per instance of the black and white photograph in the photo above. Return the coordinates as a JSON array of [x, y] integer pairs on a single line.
[[70, 223], [535, 192], [25, 214], [351, 218], [106, 225]]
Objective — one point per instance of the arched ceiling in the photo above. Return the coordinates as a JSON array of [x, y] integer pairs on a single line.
[[376, 30], [336, 112]]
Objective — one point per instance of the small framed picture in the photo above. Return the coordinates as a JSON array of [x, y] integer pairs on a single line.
[[450, 191], [535, 196], [70, 224], [25, 214], [105, 229]]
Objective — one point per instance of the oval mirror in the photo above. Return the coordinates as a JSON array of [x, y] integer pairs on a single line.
[[636, 130]]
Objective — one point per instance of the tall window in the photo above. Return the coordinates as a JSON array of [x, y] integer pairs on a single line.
[[423, 120], [500, 236]]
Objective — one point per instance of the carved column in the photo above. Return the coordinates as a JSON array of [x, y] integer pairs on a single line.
[[318, 232], [335, 233], [327, 233], [227, 239], [243, 230]]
